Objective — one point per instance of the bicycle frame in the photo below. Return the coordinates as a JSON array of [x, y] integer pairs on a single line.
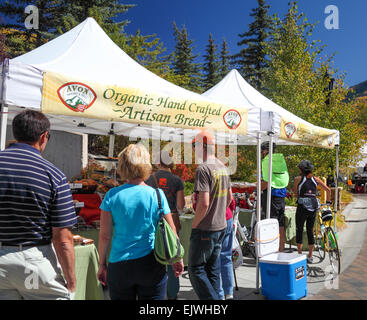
[[328, 240], [246, 240]]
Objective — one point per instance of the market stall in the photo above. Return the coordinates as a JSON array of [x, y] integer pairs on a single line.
[[85, 83]]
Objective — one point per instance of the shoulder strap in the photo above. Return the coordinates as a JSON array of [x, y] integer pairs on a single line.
[[159, 203], [303, 180], [155, 180]]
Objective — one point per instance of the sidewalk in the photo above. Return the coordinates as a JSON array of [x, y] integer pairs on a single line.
[[351, 283]]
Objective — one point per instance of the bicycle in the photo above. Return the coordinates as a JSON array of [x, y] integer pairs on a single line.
[[325, 238], [245, 237]]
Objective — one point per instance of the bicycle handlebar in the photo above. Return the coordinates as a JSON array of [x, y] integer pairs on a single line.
[[243, 196]]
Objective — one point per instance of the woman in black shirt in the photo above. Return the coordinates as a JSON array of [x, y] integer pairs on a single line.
[[305, 188]]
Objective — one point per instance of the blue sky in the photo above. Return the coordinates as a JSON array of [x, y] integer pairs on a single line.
[[226, 19]]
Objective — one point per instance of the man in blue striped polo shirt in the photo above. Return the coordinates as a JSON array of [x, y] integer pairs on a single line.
[[36, 213]]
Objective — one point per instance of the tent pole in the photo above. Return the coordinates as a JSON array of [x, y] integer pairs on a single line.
[[111, 145], [258, 203], [3, 125], [3, 107], [336, 184], [270, 171]]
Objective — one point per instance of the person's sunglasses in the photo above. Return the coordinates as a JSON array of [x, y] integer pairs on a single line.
[[48, 136]]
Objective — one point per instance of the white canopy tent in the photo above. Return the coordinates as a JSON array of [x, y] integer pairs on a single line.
[[236, 91], [87, 55]]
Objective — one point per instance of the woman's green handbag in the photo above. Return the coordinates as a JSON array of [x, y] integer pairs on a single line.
[[167, 246]]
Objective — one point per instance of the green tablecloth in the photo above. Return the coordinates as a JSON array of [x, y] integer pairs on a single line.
[[86, 267], [93, 234], [290, 225]]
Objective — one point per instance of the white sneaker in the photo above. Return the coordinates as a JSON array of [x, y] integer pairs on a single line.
[[229, 297]]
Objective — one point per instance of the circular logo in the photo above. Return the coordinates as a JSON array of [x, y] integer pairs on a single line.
[[232, 119], [76, 96], [289, 129]]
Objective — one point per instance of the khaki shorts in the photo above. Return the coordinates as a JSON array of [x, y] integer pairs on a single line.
[[31, 273]]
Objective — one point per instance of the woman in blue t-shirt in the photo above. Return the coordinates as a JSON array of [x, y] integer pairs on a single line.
[[132, 210]]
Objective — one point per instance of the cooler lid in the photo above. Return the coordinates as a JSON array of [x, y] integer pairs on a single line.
[[267, 237]]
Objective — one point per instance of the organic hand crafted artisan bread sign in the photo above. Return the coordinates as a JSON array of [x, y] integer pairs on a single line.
[[71, 97], [307, 134]]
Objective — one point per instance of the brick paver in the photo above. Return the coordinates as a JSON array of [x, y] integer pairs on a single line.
[[352, 282]]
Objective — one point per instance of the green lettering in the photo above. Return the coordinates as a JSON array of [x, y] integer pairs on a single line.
[[105, 93]]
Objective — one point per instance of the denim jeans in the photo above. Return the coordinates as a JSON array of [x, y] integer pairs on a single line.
[[204, 262], [173, 283], [143, 278], [226, 264]]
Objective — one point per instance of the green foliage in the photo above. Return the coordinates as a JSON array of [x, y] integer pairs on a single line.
[[4, 50], [246, 164], [224, 63], [19, 40], [183, 59], [105, 12], [188, 188], [296, 81], [251, 59], [361, 105], [211, 65], [292, 202]]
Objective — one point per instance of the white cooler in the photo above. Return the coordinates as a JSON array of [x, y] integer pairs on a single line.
[[283, 275]]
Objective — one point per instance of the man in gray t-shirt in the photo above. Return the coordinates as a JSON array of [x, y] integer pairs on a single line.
[[212, 185], [213, 178]]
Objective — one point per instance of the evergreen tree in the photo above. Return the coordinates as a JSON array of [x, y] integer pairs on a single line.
[[224, 65], [148, 51], [105, 12], [20, 40], [251, 59], [183, 59], [211, 65]]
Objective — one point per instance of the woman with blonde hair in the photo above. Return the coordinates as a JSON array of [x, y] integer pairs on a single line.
[[132, 210]]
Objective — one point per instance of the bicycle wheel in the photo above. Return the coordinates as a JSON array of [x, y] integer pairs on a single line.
[[319, 242], [333, 249]]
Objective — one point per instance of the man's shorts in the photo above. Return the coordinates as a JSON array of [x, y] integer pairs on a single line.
[[277, 208]]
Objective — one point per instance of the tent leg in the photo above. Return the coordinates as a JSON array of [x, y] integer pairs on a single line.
[[3, 126], [258, 203], [111, 145], [270, 170], [336, 184]]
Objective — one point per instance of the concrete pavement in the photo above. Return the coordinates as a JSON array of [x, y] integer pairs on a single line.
[[350, 284]]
